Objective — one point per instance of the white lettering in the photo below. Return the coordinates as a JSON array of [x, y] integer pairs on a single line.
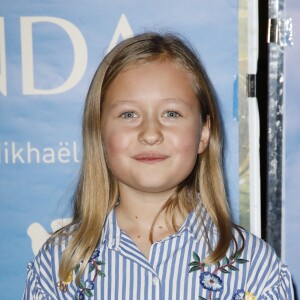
[[6, 159], [16, 155], [80, 55], [123, 29], [5, 152], [30, 150], [64, 152], [75, 152], [49, 156], [3, 86]]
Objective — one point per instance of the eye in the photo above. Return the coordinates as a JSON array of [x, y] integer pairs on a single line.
[[129, 115], [172, 114]]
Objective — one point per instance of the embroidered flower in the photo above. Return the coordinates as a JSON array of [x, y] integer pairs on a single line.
[[80, 296], [85, 288], [89, 284], [63, 285], [211, 282], [249, 296], [239, 295]]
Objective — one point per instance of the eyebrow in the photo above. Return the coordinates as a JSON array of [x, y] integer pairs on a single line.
[[175, 100], [166, 100], [120, 102], [178, 100]]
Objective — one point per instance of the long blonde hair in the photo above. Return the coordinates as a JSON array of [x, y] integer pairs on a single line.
[[97, 191]]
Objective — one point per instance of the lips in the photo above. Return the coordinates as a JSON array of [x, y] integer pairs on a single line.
[[150, 157]]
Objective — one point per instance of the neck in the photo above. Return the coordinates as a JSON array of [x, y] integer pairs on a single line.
[[140, 209], [137, 212], [145, 206]]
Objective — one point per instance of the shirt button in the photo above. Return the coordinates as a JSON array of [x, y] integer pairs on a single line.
[[155, 280], [111, 243]]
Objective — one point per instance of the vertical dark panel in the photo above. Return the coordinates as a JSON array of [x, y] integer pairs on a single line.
[[275, 126], [262, 98], [270, 101]]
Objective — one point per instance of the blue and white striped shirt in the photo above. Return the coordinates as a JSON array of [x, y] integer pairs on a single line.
[[174, 270]]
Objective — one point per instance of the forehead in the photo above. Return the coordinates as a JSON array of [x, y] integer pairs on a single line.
[[160, 70], [161, 60], [155, 78]]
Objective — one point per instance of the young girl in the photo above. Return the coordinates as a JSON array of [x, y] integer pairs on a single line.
[[151, 219]]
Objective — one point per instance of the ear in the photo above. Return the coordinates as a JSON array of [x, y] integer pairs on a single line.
[[205, 135]]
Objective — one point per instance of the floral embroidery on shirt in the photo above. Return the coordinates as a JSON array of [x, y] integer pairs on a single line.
[[85, 287], [209, 280], [249, 296], [241, 295], [63, 285]]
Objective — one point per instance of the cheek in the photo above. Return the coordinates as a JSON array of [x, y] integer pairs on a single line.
[[115, 142], [110, 143], [189, 150], [187, 142]]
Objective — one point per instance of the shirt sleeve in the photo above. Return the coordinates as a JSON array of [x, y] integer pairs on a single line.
[[267, 278], [39, 283], [282, 287]]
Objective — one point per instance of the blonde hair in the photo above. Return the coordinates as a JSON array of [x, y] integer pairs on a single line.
[[97, 191]]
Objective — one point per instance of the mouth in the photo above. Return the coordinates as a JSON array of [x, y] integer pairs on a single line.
[[150, 157]]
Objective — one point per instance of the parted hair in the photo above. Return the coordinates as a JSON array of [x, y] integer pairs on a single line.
[[97, 190]]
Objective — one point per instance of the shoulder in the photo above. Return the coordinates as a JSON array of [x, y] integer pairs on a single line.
[[259, 253], [39, 282], [253, 245], [52, 249], [267, 275], [42, 273]]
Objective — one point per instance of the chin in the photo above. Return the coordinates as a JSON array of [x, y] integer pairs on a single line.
[[154, 188]]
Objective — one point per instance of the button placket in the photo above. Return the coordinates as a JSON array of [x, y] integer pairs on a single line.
[[155, 280], [111, 243]]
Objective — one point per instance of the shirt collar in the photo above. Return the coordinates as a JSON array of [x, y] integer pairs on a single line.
[[111, 233], [197, 223]]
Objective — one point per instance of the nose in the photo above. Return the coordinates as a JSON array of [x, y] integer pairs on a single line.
[[151, 132]]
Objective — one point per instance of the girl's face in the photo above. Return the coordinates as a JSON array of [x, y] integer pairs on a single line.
[[151, 127]]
